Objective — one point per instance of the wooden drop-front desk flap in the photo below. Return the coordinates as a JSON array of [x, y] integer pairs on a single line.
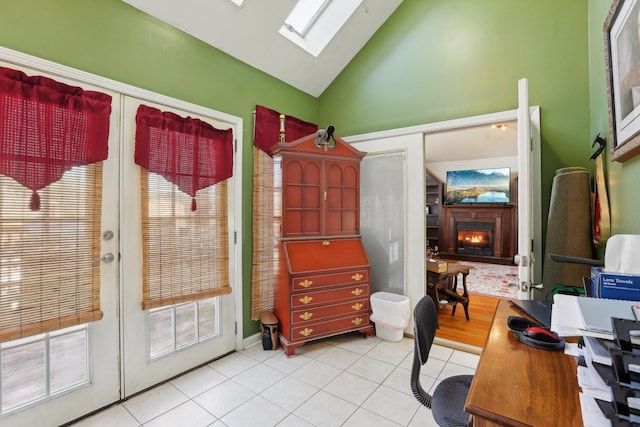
[[518, 385], [317, 256], [322, 289]]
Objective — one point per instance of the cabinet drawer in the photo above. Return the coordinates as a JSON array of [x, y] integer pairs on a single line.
[[316, 330], [313, 282], [310, 315], [310, 299]]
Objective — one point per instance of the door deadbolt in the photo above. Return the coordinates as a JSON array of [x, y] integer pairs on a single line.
[[108, 235], [106, 258]]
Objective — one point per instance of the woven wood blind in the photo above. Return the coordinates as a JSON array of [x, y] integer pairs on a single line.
[[263, 267], [49, 133], [266, 134], [47, 278], [186, 253]]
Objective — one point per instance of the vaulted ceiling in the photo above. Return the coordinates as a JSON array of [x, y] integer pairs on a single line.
[[250, 34]]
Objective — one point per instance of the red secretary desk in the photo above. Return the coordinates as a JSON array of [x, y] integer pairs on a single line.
[[322, 286]]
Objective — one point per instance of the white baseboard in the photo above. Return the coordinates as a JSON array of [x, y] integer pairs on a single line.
[[251, 341]]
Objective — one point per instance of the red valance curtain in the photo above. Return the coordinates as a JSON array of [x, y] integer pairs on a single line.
[[47, 127], [267, 128], [188, 152], [266, 134]]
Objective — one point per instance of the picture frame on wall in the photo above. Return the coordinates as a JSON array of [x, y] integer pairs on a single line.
[[622, 63]]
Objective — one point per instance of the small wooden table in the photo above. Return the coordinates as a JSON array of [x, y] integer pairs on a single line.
[[443, 286], [518, 385]]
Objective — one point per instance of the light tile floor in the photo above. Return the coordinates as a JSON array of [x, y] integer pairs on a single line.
[[341, 381]]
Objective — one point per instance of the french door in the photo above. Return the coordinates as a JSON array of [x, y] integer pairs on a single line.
[[161, 343], [529, 256], [129, 349], [51, 378]]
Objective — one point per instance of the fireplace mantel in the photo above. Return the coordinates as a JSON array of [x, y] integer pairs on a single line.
[[503, 218]]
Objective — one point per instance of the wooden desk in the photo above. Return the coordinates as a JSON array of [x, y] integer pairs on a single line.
[[518, 385], [444, 286]]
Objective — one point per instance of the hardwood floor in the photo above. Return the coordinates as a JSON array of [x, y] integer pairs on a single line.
[[472, 332]]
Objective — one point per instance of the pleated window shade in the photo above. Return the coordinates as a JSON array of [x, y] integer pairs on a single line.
[[186, 253], [47, 277]]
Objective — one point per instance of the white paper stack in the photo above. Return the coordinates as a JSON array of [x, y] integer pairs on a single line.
[[592, 416], [592, 384], [597, 350], [572, 315]]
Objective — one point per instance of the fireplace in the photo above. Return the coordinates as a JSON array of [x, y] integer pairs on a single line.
[[474, 238], [485, 233]]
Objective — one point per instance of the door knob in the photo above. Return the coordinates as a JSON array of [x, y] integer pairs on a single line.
[[106, 258]]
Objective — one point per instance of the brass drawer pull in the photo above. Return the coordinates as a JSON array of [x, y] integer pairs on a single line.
[[306, 299], [306, 332], [357, 277], [306, 315], [326, 243], [357, 291], [357, 306], [306, 283], [357, 321]]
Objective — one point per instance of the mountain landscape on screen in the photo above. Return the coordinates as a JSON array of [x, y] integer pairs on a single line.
[[478, 186]]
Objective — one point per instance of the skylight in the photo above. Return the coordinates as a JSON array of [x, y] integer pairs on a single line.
[[313, 23], [304, 15]]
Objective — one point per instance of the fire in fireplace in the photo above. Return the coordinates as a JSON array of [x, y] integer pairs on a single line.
[[475, 238]]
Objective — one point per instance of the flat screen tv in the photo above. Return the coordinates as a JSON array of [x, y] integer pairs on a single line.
[[478, 186]]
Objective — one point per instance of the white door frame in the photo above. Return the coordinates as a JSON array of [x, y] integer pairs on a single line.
[[415, 289], [412, 147]]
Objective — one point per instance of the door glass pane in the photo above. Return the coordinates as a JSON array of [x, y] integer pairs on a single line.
[[178, 326], [69, 360], [382, 219], [160, 331], [185, 324], [23, 374], [42, 366], [208, 318]]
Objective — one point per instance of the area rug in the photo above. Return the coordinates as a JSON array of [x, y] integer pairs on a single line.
[[492, 279]]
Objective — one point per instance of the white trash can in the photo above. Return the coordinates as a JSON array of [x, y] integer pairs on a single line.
[[390, 313]]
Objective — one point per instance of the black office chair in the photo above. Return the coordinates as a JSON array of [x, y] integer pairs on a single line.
[[447, 401]]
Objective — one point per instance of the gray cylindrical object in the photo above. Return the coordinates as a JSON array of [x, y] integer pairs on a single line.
[[568, 228]]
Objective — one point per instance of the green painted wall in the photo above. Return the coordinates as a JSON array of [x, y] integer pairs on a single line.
[[444, 59], [111, 39], [431, 61], [622, 178]]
